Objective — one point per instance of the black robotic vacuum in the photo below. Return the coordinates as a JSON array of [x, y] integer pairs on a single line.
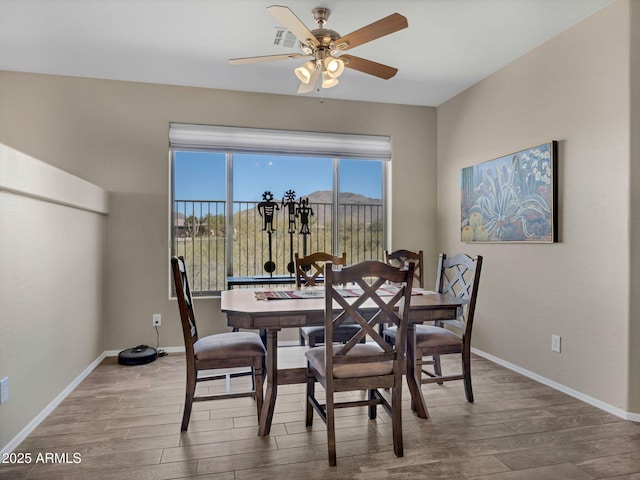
[[137, 355]]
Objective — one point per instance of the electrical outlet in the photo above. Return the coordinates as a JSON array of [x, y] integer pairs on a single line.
[[156, 320], [555, 343], [4, 389]]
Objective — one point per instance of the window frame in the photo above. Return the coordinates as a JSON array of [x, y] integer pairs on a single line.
[[381, 145]]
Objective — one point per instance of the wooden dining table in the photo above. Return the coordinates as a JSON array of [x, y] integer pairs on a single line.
[[245, 310]]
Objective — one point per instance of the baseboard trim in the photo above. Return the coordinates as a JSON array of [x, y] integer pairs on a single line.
[[31, 426], [634, 417]]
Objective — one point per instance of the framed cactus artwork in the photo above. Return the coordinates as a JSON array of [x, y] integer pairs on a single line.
[[511, 198]]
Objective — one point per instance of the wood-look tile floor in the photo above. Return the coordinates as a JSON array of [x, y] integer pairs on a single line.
[[124, 423]]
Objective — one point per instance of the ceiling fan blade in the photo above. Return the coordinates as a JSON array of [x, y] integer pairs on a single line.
[[264, 58], [288, 19], [382, 27], [310, 87], [367, 66]]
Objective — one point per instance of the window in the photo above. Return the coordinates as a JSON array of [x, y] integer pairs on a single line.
[[226, 182]]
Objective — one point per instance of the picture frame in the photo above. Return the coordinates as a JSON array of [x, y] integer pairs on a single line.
[[512, 198]]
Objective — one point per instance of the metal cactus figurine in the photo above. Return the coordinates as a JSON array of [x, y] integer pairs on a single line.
[[304, 211], [290, 205], [266, 209]]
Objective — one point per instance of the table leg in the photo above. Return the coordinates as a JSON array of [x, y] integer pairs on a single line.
[[272, 383], [413, 380]]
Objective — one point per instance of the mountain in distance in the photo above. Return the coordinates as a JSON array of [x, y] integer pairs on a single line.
[[355, 206], [326, 196]]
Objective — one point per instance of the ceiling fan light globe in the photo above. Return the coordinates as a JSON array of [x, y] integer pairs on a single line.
[[334, 66], [302, 75], [305, 71], [328, 81]]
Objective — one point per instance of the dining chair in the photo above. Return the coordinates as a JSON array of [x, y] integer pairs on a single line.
[[459, 276], [400, 258], [309, 272], [217, 351], [356, 366]]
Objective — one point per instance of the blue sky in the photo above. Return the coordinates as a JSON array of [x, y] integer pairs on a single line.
[[201, 176]]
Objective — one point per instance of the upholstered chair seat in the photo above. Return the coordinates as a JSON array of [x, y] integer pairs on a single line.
[[314, 335], [351, 370], [228, 345], [429, 336]]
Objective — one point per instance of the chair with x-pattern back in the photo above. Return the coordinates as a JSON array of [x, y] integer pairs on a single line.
[[355, 366], [459, 276], [310, 272], [401, 258]]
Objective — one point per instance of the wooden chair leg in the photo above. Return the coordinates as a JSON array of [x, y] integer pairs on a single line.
[[437, 368], [259, 381], [418, 370], [372, 408], [253, 376], [466, 371], [311, 382], [331, 430], [396, 420], [188, 397]]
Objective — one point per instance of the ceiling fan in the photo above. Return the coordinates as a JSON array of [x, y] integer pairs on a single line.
[[325, 48]]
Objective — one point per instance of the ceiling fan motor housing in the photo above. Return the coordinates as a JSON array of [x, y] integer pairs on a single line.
[[325, 36]]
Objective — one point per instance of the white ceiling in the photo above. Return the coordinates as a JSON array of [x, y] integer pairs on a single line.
[[449, 45]]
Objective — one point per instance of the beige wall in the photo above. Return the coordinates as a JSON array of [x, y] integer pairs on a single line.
[[115, 134], [51, 278], [574, 89], [634, 264]]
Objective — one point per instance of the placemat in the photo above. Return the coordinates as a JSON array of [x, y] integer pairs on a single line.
[[387, 290]]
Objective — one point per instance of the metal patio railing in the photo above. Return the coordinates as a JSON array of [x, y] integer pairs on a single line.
[[200, 236]]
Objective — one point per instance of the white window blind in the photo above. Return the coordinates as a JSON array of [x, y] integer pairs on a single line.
[[247, 140]]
